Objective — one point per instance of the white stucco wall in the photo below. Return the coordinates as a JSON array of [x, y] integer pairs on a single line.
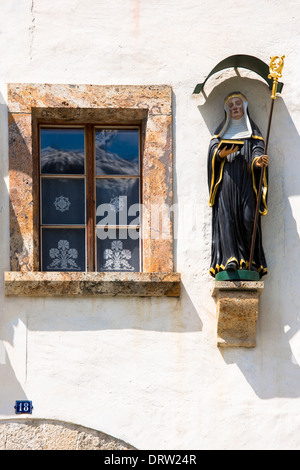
[[148, 370]]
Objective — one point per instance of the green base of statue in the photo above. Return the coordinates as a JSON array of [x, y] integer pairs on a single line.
[[237, 275]]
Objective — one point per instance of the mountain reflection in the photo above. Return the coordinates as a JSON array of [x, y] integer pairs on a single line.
[[62, 162], [118, 187], [55, 161], [116, 153], [112, 164]]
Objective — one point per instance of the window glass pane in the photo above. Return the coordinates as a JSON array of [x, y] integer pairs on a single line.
[[62, 151], [117, 201], [118, 250], [63, 201], [117, 151], [63, 249]]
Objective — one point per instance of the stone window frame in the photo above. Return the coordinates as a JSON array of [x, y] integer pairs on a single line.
[[147, 106]]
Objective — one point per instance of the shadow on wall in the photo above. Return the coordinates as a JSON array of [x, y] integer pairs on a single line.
[[73, 314], [162, 318], [12, 392], [8, 374], [272, 368]]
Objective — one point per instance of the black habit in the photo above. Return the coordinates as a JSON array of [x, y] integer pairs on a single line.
[[233, 189]]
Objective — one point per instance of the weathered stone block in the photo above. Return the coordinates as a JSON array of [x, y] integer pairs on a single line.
[[237, 312], [35, 434], [44, 284]]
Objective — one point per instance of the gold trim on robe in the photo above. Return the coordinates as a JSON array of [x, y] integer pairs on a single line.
[[214, 185], [264, 187]]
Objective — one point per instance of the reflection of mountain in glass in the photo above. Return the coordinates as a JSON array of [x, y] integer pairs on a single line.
[[62, 150], [111, 187], [62, 162], [117, 152]]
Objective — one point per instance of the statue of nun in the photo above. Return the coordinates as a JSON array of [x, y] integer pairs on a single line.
[[235, 158]]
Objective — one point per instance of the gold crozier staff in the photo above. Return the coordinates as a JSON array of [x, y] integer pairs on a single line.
[[276, 66]]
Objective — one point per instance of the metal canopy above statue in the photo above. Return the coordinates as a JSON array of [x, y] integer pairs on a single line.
[[242, 61]]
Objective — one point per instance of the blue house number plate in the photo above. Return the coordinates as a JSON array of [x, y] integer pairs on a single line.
[[23, 406]]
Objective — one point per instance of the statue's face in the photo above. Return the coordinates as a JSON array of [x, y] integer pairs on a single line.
[[236, 109]]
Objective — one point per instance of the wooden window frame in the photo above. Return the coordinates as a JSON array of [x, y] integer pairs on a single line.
[[90, 178]]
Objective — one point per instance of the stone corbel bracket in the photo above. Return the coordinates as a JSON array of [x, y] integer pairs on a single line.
[[237, 305]]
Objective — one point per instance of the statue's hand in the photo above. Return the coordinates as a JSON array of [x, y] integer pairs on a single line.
[[225, 151], [262, 161]]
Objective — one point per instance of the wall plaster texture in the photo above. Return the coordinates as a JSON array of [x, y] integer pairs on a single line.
[[148, 371]]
